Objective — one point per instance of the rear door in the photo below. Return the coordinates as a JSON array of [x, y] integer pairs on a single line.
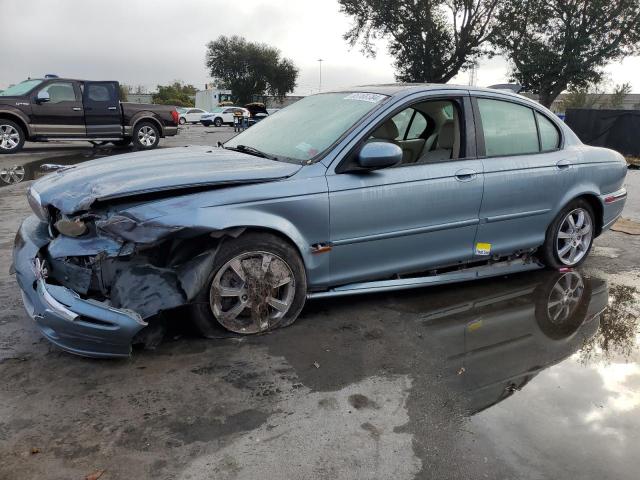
[[102, 109], [526, 173], [62, 115]]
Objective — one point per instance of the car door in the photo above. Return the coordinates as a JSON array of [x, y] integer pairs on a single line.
[[103, 117], [227, 115], [409, 218], [62, 114], [526, 173]]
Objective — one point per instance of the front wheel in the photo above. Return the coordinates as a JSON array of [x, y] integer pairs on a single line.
[[182, 120], [217, 122], [146, 136], [570, 237], [257, 283], [11, 137]]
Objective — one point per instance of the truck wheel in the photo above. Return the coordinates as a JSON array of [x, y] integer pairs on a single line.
[[217, 122], [11, 137], [570, 236], [257, 283], [146, 136]]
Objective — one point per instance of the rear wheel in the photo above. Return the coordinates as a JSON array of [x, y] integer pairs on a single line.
[[257, 283], [570, 236], [146, 136], [12, 137], [217, 122]]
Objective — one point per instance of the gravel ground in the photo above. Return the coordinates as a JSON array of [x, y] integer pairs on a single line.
[[360, 388]]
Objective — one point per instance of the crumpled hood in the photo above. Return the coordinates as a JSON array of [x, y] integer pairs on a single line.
[[75, 188]]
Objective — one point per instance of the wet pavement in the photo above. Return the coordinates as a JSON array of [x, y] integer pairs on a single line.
[[530, 376]]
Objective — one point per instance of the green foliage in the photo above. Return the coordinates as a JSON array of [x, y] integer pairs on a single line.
[[124, 93], [248, 68], [431, 40], [558, 44], [620, 92], [177, 94]]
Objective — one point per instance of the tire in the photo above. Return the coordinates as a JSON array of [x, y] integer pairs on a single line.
[[243, 308], [218, 122], [559, 235], [123, 143], [146, 136], [182, 121], [12, 137]]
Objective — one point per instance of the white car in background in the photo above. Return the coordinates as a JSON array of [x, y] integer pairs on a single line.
[[223, 115], [191, 115]]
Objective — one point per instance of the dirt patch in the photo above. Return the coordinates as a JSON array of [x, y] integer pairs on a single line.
[[627, 226]]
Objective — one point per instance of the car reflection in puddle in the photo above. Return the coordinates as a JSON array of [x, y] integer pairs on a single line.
[[517, 377]]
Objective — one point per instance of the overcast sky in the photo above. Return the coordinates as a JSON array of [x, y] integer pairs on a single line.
[[150, 42]]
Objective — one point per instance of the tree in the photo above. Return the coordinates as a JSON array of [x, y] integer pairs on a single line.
[[619, 95], [558, 44], [177, 94], [431, 40], [124, 93], [248, 68]]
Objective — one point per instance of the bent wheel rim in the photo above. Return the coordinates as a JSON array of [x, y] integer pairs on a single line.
[[564, 297], [13, 174], [574, 236], [147, 136], [252, 292], [9, 137]]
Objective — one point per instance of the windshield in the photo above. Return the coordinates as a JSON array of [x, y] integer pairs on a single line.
[[308, 127], [20, 89], [217, 110]]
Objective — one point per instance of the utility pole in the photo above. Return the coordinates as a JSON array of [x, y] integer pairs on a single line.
[[320, 60]]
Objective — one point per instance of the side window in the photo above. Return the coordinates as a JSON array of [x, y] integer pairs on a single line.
[[99, 92], [191, 111], [60, 92], [402, 120], [509, 129], [549, 135]]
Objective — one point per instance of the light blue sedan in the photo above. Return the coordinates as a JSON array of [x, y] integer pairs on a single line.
[[367, 190]]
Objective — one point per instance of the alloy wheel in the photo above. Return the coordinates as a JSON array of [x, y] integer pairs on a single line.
[[13, 174], [565, 297], [9, 137], [252, 292], [147, 136], [574, 237]]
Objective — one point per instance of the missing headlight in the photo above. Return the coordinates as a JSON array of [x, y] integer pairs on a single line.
[[71, 228]]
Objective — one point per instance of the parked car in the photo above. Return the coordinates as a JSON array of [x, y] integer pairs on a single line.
[[223, 115], [192, 115], [63, 109], [349, 192]]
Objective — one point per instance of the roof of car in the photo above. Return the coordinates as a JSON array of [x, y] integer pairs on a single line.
[[405, 88]]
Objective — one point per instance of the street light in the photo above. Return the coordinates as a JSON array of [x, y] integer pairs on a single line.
[[320, 60]]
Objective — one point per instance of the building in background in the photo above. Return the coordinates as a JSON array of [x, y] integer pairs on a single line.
[[210, 97]]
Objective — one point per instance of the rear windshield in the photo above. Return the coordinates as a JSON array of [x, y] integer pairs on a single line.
[[21, 88]]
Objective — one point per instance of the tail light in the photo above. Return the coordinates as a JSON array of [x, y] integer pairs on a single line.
[[176, 116]]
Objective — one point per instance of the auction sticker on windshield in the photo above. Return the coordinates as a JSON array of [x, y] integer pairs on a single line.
[[365, 97]]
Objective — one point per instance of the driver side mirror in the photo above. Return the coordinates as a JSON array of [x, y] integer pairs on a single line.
[[379, 154], [43, 97]]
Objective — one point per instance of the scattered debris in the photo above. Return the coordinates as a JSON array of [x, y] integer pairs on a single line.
[[461, 371], [316, 364], [35, 450], [95, 475], [625, 225]]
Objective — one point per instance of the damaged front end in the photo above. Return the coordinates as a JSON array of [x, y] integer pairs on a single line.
[[92, 281]]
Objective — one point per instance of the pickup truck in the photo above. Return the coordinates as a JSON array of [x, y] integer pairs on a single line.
[[47, 109]]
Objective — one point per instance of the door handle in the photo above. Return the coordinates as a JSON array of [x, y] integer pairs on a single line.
[[77, 109], [563, 164], [111, 108], [465, 174]]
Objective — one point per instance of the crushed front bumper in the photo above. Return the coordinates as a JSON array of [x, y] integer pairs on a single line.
[[80, 326]]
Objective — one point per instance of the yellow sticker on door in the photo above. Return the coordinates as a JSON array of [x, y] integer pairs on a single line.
[[483, 248]]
